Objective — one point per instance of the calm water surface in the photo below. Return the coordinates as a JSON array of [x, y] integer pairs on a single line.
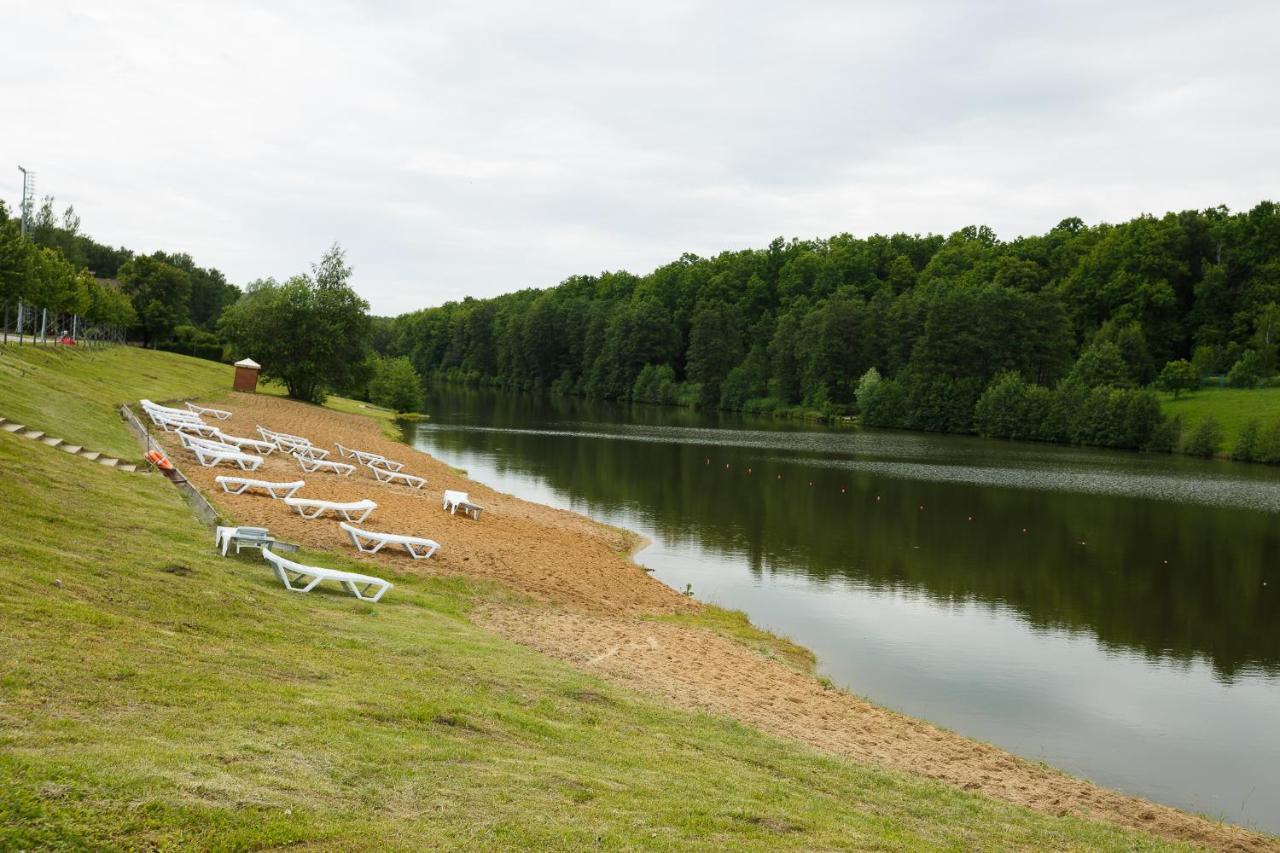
[[1116, 615]]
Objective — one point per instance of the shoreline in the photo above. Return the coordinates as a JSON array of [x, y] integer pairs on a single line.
[[582, 598]]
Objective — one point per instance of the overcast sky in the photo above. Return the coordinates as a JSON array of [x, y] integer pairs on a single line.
[[476, 148]]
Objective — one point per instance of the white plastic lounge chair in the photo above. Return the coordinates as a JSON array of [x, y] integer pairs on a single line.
[[220, 414], [370, 542], [189, 441], [455, 500], [271, 435], [384, 462], [264, 448], [291, 573], [244, 484], [242, 537], [364, 457], [361, 509], [209, 457], [310, 465], [382, 475]]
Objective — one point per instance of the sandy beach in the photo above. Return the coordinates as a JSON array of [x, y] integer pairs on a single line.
[[578, 596]]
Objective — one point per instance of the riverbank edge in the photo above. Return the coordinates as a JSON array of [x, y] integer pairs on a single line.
[[639, 542]]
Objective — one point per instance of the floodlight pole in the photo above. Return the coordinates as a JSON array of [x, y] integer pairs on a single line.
[[28, 188]]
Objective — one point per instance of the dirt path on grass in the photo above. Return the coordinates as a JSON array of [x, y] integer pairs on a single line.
[[596, 609]]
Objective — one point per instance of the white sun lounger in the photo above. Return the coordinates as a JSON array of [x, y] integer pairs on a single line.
[[172, 424], [361, 509], [455, 500], [220, 414], [382, 475], [384, 462], [209, 457], [361, 456], [190, 441], [271, 435], [310, 465], [244, 484], [291, 573], [370, 542], [264, 448]]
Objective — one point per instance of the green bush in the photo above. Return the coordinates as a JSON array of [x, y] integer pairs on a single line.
[[1248, 443], [1012, 408], [395, 384], [1167, 436], [1205, 439], [1247, 372], [885, 405], [656, 383]]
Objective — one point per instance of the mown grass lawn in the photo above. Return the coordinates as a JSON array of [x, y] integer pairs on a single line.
[[153, 694], [1233, 407]]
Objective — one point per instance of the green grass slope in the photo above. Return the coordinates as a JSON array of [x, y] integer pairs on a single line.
[[71, 393], [1233, 407], [153, 694]]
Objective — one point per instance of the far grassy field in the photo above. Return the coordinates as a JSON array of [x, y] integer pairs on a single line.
[[153, 694], [1233, 407]]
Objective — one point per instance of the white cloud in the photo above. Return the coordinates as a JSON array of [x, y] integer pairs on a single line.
[[470, 149]]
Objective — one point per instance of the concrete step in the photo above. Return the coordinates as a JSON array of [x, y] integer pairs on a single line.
[[127, 466], [33, 434], [70, 448], [108, 461], [12, 427], [51, 441], [91, 455]]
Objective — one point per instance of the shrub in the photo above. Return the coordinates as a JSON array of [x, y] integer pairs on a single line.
[[1178, 376], [396, 385], [885, 405], [1247, 372], [942, 404], [1268, 448], [656, 383], [1205, 439], [1167, 435], [1012, 408], [1248, 444], [866, 386]]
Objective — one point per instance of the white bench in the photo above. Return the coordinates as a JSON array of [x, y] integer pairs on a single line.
[[418, 547], [306, 463], [319, 508], [208, 457], [290, 573], [244, 484], [455, 500], [220, 414], [382, 475]]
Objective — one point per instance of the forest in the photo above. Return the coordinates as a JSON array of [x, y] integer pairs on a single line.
[[1057, 337], [162, 299]]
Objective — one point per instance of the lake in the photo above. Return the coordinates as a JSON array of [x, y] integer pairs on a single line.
[[1116, 615]]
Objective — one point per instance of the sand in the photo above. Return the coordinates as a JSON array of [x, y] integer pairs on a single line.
[[582, 600]]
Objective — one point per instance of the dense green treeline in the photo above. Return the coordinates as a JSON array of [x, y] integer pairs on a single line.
[[941, 321], [163, 299]]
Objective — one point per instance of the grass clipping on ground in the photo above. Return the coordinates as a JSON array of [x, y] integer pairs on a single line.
[[154, 694]]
